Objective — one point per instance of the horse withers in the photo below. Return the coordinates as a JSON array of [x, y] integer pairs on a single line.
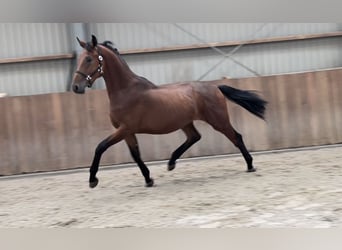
[[139, 106]]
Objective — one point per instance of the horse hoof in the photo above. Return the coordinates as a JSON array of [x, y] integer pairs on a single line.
[[171, 167], [94, 183], [150, 183], [251, 170]]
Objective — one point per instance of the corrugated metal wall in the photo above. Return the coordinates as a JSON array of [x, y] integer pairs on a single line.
[[35, 78], [265, 59], [35, 39], [29, 40], [152, 35]]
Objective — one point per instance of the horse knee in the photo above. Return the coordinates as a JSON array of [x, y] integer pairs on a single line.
[[101, 148]]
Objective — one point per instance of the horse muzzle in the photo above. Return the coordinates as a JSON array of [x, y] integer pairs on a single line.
[[79, 88]]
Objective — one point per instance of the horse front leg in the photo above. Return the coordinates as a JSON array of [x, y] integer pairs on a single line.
[[100, 149], [133, 146]]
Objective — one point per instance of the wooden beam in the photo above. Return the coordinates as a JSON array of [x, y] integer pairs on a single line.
[[37, 58]]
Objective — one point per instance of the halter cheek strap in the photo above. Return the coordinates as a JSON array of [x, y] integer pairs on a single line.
[[99, 69]]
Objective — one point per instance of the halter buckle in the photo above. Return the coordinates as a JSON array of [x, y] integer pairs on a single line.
[[100, 70]]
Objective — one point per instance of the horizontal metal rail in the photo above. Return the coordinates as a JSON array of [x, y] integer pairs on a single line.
[[179, 48], [233, 43]]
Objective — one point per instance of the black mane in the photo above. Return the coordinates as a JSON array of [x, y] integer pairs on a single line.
[[109, 45]]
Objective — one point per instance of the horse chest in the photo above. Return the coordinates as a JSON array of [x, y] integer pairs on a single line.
[[121, 114], [117, 113]]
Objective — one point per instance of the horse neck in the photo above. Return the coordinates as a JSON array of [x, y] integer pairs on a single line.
[[117, 75]]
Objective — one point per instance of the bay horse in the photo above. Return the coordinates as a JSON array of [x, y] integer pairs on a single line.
[[139, 106]]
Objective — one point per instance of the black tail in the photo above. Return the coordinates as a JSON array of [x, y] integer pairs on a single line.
[[247, 99]]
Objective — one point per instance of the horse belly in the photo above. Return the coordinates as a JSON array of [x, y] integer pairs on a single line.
[[162, 120]]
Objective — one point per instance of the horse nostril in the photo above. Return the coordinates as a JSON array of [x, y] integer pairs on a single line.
[[75, 88]]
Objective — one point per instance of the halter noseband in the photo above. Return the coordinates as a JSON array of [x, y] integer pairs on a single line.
[[98, 69]]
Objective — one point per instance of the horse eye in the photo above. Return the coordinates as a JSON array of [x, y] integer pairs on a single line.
[[88, 59]]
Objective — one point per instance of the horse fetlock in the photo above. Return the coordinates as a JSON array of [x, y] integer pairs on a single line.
[[101, 148]]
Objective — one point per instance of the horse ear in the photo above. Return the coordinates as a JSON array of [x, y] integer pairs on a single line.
[[94, 40], [82, 44]]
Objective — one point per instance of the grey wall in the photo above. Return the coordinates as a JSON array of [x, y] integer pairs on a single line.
[[265, 59], [151, 35], [28, 40], [22, 40]]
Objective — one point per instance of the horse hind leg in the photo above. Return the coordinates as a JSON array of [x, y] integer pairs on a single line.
[[220, 121], [237, 140], [248, 158], [193, 136]]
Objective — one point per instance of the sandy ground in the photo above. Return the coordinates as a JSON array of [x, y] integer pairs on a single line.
[[290, 189]]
